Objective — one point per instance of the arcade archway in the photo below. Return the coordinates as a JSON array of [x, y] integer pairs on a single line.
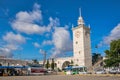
[[65, 64]]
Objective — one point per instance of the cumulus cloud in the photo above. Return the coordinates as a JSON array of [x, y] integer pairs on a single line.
[[53, 22], [61, 41], [114, 35], [12, 43], [12, 38], [37, 45], [7, 50], [47, 42], [25, 22]]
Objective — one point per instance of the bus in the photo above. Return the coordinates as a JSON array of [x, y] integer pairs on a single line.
[[79, 70], [75, 70], [13, 70], [36, 69]]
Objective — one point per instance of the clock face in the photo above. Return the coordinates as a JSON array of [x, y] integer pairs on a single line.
[[77, 34]]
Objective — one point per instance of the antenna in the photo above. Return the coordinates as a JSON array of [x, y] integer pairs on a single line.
[[80, 12]]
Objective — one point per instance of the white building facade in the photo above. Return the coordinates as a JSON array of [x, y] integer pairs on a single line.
[[82, 44]]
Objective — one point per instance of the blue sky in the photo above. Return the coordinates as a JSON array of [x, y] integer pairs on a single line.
[[30, 27]]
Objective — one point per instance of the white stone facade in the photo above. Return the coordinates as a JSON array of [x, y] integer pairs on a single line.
[[81, 46]]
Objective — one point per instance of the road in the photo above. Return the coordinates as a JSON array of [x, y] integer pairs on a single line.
[[60, 77]]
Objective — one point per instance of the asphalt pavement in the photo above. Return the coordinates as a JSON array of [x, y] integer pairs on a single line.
[[60, 77]]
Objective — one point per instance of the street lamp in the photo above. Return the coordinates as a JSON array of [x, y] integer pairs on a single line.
[[44, 58]]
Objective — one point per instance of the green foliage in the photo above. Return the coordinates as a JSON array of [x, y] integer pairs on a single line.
[[55, 65], [52, 64], [59, 70], [71, 62], [113, 55], [47, 64], [76, 65], [35, 61], [95, 58]]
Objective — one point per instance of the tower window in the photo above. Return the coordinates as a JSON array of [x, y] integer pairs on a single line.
[[77, 59], [76, 42], [79, 52]]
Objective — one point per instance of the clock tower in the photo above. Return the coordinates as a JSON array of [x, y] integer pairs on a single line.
[[81, 44]]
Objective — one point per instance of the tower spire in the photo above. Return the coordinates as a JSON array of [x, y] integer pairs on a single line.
[[80, 19], [80, 12]]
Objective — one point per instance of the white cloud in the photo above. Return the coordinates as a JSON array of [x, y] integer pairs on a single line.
[[12, 38], [25, 22], [36, 6], [42, 51], [32, 16], [13, 44], [37, 45], [47, 42], [5, 52], [8, 49], [114, 35], [61, 41], [53, 22], [29, 28]]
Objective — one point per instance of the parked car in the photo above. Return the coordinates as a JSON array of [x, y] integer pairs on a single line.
[[83, 72], [118, 71], [49, 71], [68, 72], [100, 72], [114, 71]]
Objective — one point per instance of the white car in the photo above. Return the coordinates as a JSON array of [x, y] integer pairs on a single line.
[[68, 72], [113, 71], [100, 72], [49, 71], [82, 72]]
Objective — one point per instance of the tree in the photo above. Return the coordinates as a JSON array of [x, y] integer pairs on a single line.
[[47, 64], [52, 64], [113, 55], [76, 65], [95, 58], [71, 62], [35, 61]]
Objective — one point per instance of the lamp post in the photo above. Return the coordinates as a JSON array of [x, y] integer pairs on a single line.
[[44, 56]]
